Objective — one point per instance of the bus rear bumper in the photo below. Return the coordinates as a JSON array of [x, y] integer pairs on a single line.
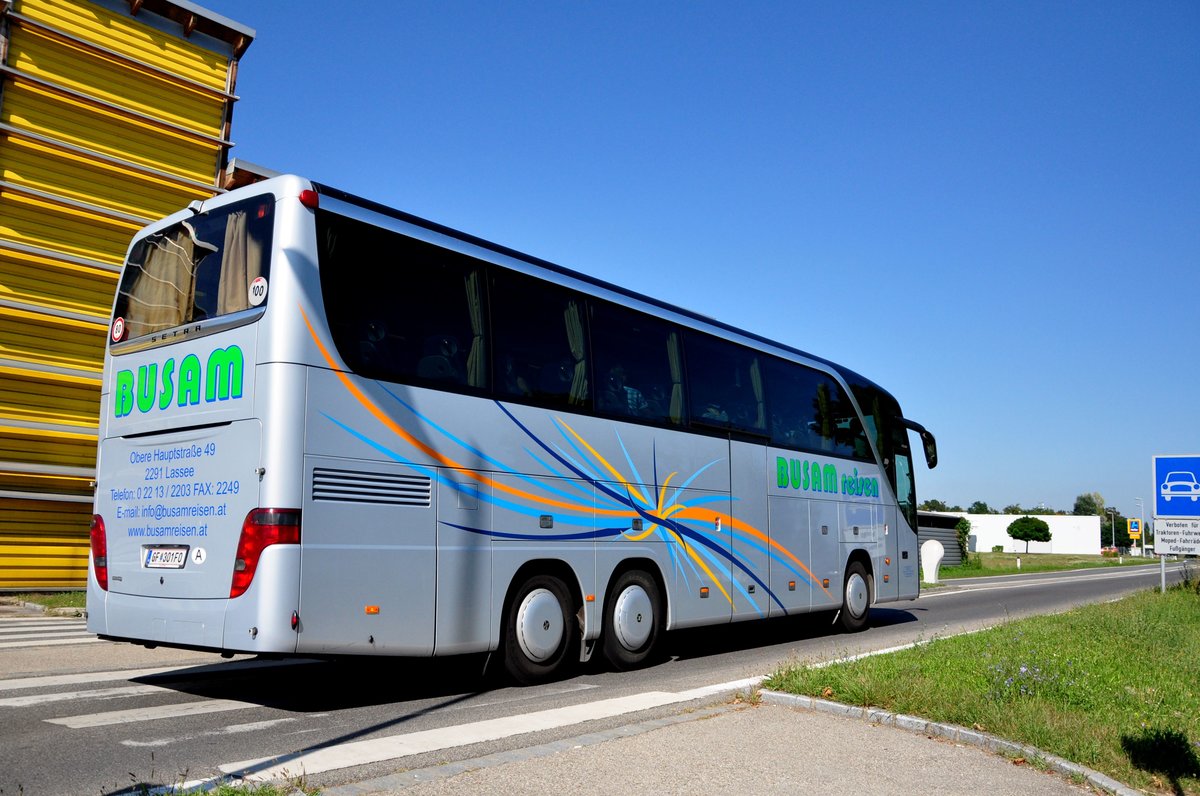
[[261, 621]]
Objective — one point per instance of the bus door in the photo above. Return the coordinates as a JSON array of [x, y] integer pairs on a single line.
[[749, 533], [871, 528], [789, 534], [827, 558], [887, 572]]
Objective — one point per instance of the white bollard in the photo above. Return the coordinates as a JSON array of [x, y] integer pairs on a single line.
[[931, 558]]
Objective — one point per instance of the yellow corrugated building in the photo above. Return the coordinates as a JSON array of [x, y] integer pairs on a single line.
[[112, 113]]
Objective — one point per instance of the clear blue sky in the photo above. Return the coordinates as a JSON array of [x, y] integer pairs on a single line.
[[992, 209]]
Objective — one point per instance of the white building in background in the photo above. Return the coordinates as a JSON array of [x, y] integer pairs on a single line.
[[1068, 534]]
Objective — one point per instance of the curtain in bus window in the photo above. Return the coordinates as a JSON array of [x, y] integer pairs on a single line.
[[824, 409], [675, 360], [756, 382], [575, 339], [477, 356], [241, 264], [162, 294]]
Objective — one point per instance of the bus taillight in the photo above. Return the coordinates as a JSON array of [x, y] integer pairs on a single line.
[[99, 551], [262, 528]]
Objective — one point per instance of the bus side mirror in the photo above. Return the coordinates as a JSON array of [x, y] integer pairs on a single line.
[[930, 445], [927, 441]]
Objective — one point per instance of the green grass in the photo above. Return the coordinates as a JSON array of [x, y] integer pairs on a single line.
[[55, 599], [986, 564], [1112, 687]]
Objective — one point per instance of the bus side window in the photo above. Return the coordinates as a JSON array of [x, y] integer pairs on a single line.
[[638, 370], [540, 341], [810, 411], [725, 384], [422, 321]]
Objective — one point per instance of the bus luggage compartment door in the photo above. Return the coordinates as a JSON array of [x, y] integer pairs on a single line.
[[368, 559]]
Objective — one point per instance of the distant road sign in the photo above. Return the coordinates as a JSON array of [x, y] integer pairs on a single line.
[[1176, 487], [1177, 537]]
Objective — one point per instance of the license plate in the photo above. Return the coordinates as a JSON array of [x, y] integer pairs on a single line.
[[166, 557]]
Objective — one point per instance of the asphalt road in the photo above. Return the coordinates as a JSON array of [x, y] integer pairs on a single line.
[[96, 717]]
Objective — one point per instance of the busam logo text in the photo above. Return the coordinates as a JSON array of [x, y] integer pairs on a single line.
[[186, 383], [813, 476]]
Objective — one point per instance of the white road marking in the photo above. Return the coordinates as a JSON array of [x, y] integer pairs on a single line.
[[42, 632], [964, 584], [54, 680], [55, 642], [379, 749], [66, 696], [233, 729], [151, 714], [25, 625]]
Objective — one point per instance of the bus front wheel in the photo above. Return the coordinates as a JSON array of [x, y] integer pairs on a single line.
[[856, 598], [632, 619], [540, 630]]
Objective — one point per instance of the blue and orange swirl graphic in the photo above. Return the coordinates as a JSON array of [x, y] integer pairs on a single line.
[[588, 491]]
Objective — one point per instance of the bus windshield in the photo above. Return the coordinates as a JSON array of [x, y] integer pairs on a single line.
[[209, 265]]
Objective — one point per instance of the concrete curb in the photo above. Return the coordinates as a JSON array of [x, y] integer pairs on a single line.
[[952, 732]]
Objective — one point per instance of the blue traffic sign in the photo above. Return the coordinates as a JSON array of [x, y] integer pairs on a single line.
[[1177, 486]]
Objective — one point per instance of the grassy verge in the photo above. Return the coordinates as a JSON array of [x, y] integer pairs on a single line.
[[1112, 687], [986, 564], [56, 599]]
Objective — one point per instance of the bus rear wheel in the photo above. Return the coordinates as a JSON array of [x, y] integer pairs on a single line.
[[632, 620], [540, 630], [856, 598]]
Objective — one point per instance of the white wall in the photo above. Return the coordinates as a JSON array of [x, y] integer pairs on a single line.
[[1068, 534]]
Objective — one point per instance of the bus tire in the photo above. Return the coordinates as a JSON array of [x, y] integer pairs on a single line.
[[632, 619], [856, 598], [540, 630]]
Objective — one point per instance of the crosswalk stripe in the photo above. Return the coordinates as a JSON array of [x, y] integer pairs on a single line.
[[45, 632], [96, 693], [150, 714], [45, 620], [56, 680], [47, 642], [40, 628]]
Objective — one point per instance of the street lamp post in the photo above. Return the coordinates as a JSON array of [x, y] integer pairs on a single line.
[[1142, 525], [1112, 516]]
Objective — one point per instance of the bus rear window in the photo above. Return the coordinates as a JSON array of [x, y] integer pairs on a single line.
[[209, 265]]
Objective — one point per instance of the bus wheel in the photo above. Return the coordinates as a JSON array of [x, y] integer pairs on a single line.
[[539, 631], [856, 598], [632, 619]]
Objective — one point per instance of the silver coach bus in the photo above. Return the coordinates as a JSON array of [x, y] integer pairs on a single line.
[[332, 428]]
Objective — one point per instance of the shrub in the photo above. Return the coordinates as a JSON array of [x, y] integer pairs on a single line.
[[997, 548], [963, 530]]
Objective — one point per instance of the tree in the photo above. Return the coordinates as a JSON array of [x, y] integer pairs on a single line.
[[1121, 537], [1013, 508], [1029, 529], [933, 504], [1089, 504], [979, 507]]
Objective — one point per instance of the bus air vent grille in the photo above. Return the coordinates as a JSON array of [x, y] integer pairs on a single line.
[[349, 486]]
